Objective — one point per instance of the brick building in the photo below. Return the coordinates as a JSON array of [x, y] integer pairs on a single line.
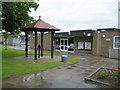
[[102, 42]]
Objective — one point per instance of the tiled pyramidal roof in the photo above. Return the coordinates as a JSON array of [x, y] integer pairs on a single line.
[[40, 24]]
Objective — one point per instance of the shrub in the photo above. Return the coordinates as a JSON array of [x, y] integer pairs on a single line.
[[110, 74], [116, 74], [102, 75]]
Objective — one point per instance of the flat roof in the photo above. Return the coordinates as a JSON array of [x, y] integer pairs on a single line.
[[60, 32], [81, 30], [107, 29]]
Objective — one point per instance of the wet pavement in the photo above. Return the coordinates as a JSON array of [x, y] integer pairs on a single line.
[[66, 76]]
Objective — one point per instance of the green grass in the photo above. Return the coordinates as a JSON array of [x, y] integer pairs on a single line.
[[71, 59], [13, 52], [12, 67], [9, 51], [15, 67]]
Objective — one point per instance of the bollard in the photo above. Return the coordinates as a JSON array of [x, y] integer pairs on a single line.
[[64, 58]]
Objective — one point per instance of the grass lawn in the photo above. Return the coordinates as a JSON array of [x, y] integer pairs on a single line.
[[72, 59], [12, 67]]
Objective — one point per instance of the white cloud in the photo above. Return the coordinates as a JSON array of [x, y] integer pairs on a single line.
[[77, 14]]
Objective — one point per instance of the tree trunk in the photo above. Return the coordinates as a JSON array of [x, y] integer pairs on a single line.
[[6, 43]]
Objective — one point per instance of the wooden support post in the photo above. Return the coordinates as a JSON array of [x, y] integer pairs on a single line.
[[26, 44], [42, 33], [38, 51], [52, 35], [35, 45]]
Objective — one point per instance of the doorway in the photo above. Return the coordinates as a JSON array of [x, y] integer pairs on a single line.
[[64, 44]]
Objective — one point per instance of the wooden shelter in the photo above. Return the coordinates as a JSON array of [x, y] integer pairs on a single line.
[[39, 26]]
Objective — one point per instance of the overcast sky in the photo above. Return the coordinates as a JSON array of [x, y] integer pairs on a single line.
[[78, 14]]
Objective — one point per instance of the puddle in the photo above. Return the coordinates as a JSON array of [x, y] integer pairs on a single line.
[[30, 77]]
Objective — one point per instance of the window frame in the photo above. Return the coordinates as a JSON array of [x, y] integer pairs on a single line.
[[84, 46], [88, 49], [115, 42]]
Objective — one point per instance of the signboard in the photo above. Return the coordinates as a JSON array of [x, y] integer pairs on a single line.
[[108, 39]]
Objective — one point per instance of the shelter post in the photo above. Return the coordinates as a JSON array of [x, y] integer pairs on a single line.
[[52, 35], [26, 44], [42, 33], [35, 45]]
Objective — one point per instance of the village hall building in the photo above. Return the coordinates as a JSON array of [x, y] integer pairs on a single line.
[[103, 42]]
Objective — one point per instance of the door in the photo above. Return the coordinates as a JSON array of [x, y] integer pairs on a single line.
[[64, 44]]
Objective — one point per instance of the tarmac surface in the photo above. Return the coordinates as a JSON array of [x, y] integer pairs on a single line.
[[66, 76]]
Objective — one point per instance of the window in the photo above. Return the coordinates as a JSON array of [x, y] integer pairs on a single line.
[[80, 45], [116, 43], [85, 45], [88, 46]]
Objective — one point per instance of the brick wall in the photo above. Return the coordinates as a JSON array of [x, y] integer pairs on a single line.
[[46, 41]]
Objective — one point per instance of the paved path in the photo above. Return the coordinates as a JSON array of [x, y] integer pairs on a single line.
[[67, 76]]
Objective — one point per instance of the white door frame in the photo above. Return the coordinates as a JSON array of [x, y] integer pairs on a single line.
[[63, 44]]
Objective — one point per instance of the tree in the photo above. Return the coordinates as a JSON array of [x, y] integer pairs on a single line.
[[5, 35], [15, 15], [0, 16]]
